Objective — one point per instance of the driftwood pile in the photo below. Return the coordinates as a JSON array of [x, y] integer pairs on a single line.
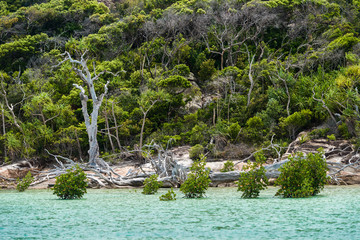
[[342, 158]]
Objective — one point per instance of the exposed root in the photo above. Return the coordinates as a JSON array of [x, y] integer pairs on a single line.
[[104, 176]]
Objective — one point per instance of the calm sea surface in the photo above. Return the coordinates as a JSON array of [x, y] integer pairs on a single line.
[[128, 214]]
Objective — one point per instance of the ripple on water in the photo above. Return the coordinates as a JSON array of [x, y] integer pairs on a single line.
[[128, 214]]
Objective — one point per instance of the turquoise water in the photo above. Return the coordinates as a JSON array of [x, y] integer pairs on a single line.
[[128, 214]]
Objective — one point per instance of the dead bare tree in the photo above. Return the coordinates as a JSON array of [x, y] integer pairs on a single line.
[[81, 69]]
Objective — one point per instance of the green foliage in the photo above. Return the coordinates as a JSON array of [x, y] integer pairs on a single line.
[[255, 129], [228, 166], [234, 131], [207, 69], [304, 138], [3, 9], [254, 180], [174, 84], [295, 122], [197, 181], [196, 152], [345, 42], [151, 185], [157, 59], [169, 196], [302, 176], [24, 183], [199, 134], [319, 133], [331, 137], [343, 131], [13, 53], [71, 185]]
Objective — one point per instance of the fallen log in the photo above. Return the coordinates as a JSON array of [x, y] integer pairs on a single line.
[[224, 177]]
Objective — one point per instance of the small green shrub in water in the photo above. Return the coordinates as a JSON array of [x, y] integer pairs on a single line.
[[71, 185], [197, 180], [302, 176], [228, 166], [151, 185], [24, 183], [254, 180], [169, 196]]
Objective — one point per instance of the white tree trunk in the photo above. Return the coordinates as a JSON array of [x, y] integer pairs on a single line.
[[90, 123]]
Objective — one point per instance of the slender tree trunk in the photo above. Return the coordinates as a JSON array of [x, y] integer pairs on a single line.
[[108, 132], [289, 99], [142, 129], [78, 143], [251, 79], [116, 126], [214, 116], [4, 129], [228, 109], [222, 60], [143, 122]]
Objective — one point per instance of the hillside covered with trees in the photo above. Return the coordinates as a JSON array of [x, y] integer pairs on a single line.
[[226, 75]]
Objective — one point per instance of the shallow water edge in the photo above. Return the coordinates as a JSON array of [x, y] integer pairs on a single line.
[[128, 214]]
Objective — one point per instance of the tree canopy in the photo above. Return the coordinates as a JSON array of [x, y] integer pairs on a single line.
[[219, 73]]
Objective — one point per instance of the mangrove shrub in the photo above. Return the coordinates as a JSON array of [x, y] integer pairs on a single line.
[[71, 185], [302, 176], [254, 180], [24, 183], [197, 180], [151, 185], [169, 196]]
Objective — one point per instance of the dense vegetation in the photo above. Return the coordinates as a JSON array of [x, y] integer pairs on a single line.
[[225, 74]]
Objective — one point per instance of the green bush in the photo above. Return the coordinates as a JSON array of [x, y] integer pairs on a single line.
[[207, 69], [24, 183], [196, 151], [331, 137], [255, 130], [151, 185], [344, 131], [228, 166], [71, 185], [302, 176], [319, 133], [197, 180], [295, 122], [169, 196], [199, 134], [254, 180], [234, 131]]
